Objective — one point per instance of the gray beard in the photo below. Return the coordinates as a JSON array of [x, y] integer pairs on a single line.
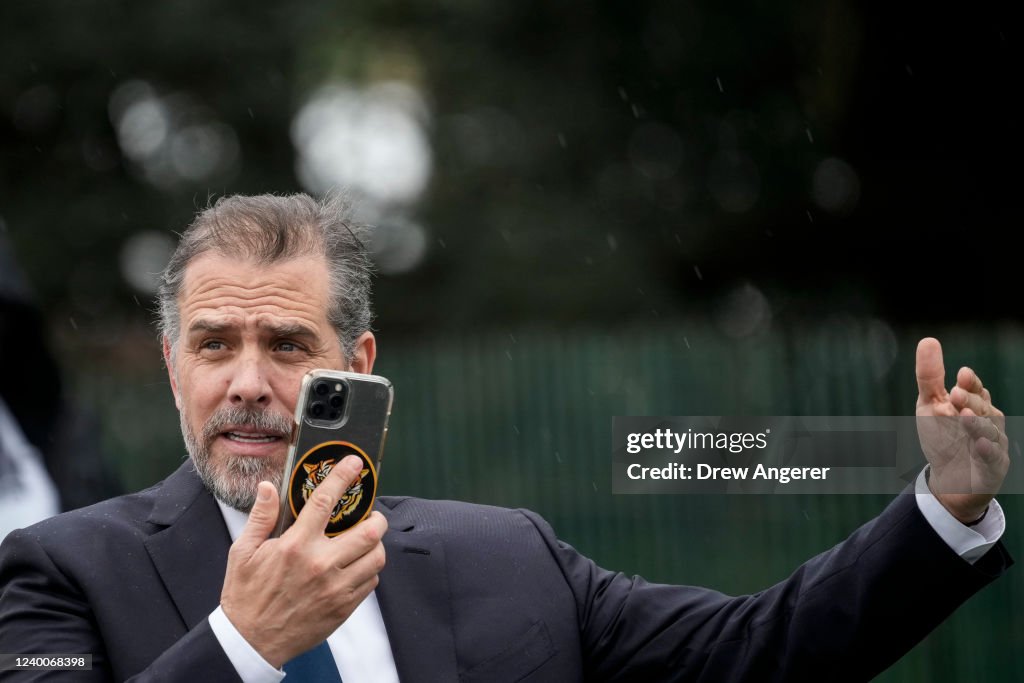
[[233, 479]]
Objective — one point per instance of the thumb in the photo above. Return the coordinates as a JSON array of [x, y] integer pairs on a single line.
[[262, 519], [931, 374]]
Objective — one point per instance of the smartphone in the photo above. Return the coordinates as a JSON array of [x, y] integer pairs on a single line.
[[338, 413]]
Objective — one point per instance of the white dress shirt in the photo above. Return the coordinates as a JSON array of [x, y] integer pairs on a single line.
[[363, 653]]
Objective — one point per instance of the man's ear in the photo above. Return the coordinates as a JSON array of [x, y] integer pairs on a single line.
[[365, 353], [169, 362]]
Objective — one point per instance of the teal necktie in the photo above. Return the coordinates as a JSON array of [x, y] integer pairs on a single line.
[[313, 666]]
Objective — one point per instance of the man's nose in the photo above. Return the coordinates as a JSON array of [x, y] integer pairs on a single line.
[[249, 384]]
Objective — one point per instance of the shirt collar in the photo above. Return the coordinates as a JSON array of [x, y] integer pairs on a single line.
[[234, 519]]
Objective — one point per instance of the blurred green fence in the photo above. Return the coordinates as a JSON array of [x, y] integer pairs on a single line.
[[523, 418]]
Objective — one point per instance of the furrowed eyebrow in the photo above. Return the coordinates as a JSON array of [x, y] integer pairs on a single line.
[[207, 326], [289, 330], [276, 329]]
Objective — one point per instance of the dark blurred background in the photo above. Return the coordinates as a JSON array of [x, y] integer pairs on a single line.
[[583, 210]]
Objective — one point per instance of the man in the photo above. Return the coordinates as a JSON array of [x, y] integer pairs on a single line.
[[181, 583]]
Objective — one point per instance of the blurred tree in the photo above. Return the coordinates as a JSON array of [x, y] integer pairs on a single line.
[[590, 161]]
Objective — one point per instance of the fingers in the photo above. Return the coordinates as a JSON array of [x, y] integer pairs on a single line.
[[262, 519], [990, 442], [931, 375], [313, 518], [367, 565], [358, 577], [969, 380], [970, 395], [349, 547], [981, 427], [373, 527], [965, 400], [991, 450]]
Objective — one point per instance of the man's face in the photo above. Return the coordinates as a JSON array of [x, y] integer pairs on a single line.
[[249, 333]]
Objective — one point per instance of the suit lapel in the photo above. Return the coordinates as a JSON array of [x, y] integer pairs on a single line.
[[414, 600], [191, 553]]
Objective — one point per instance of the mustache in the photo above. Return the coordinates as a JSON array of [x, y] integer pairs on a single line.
[[263, 420]]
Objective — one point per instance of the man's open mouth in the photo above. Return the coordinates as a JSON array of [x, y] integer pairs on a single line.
[[245, 437]]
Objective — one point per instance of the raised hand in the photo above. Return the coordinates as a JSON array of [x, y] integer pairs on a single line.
[[286, 595], [962, 435]]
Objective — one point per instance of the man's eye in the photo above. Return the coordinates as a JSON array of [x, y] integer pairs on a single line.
[[287, 347], [212, 345]]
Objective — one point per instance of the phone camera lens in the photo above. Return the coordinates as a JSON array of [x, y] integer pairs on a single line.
[[334, 415], [321, 388], [317, 409], [336, 401]]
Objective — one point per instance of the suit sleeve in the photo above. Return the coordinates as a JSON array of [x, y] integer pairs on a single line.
[[844, 615], [44, 611]]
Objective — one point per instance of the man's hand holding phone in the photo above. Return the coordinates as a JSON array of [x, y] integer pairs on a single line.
[[285, 595]]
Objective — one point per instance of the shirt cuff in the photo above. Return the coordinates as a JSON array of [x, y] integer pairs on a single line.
[[969, 542], [251, 667]]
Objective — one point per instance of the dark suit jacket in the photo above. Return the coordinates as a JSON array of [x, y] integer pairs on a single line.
[[477, 593]]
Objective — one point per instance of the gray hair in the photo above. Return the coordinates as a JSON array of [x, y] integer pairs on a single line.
[[270, 228]]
